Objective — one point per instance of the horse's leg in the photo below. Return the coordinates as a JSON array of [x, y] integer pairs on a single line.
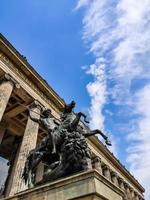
[[107, 141], [90, 133], [85, 117], [75, 122]]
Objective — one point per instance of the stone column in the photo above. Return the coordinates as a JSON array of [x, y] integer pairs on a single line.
[[121, 183], [127, 189], [6, 88], [28, 143], [97, 164], [122, 187], [132, 193], [141, 198], [89, 164], [136, 196], [114, 178], [2, 131], [106, 171]]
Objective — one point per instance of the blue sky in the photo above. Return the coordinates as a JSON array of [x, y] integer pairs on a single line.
[[96, 53], [49, 35]]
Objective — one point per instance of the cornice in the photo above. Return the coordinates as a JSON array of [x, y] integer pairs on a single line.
[[116, 162], [25, 68]]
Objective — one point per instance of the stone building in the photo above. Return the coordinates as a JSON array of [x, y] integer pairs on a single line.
[[21, 85]]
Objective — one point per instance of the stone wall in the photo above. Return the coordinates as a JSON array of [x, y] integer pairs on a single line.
[[88, 185]]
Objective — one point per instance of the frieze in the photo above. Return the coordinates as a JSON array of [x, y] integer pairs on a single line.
[[26, 79]]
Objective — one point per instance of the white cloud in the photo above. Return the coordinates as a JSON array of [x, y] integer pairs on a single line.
[[119, 32], [97, 91], [82, 3], [138, 153]]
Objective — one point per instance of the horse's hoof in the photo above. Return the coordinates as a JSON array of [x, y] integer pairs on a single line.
[[108, 142], [86, 120]]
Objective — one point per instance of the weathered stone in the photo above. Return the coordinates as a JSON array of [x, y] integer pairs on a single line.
[[88, 185], [114, 178], [2, 131], [28, 142], [97, 164], [6, 88], [106, 171]]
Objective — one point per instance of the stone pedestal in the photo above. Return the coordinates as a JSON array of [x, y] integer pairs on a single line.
[[89, 185], [28, 143]]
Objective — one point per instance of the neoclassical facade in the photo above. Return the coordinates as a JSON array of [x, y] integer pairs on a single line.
[[20, 86]]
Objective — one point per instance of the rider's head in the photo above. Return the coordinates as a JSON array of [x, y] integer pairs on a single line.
[[47, 113]]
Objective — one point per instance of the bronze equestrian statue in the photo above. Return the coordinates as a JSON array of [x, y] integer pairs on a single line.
[[64, 150]]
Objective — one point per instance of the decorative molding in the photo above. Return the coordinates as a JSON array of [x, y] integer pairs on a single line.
[[36, 103], [7, 61], [8, 77]]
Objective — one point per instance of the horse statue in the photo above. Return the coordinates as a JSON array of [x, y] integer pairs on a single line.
[[61, 149]]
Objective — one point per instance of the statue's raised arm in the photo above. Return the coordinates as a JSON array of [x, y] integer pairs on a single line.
[[64, 150], [33, 118]]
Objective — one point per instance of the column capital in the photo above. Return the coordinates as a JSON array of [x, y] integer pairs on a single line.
[[105, 166], [114, 174], [7, 84], [36, 104], [97, 159], [106, 171], [131, 189], [8, 77], [121, 183], [126, 185], [120, 180], [114, 177], [136, 195], [97, 164], [132, 192]]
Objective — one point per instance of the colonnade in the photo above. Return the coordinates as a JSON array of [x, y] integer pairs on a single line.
[[108, 173], [7, 85]]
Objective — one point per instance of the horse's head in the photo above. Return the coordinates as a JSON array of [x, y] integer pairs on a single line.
[[69, 107]]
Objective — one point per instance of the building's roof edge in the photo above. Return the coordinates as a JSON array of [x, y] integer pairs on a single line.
[[61, 102], [28, 67], [113, 159]]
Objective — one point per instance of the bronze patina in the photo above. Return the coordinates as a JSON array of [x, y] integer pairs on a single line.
[[64, 150]]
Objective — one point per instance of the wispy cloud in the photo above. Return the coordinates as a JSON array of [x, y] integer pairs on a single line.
[[138, 152], [118, 34], [97, 91], [82, 3]]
